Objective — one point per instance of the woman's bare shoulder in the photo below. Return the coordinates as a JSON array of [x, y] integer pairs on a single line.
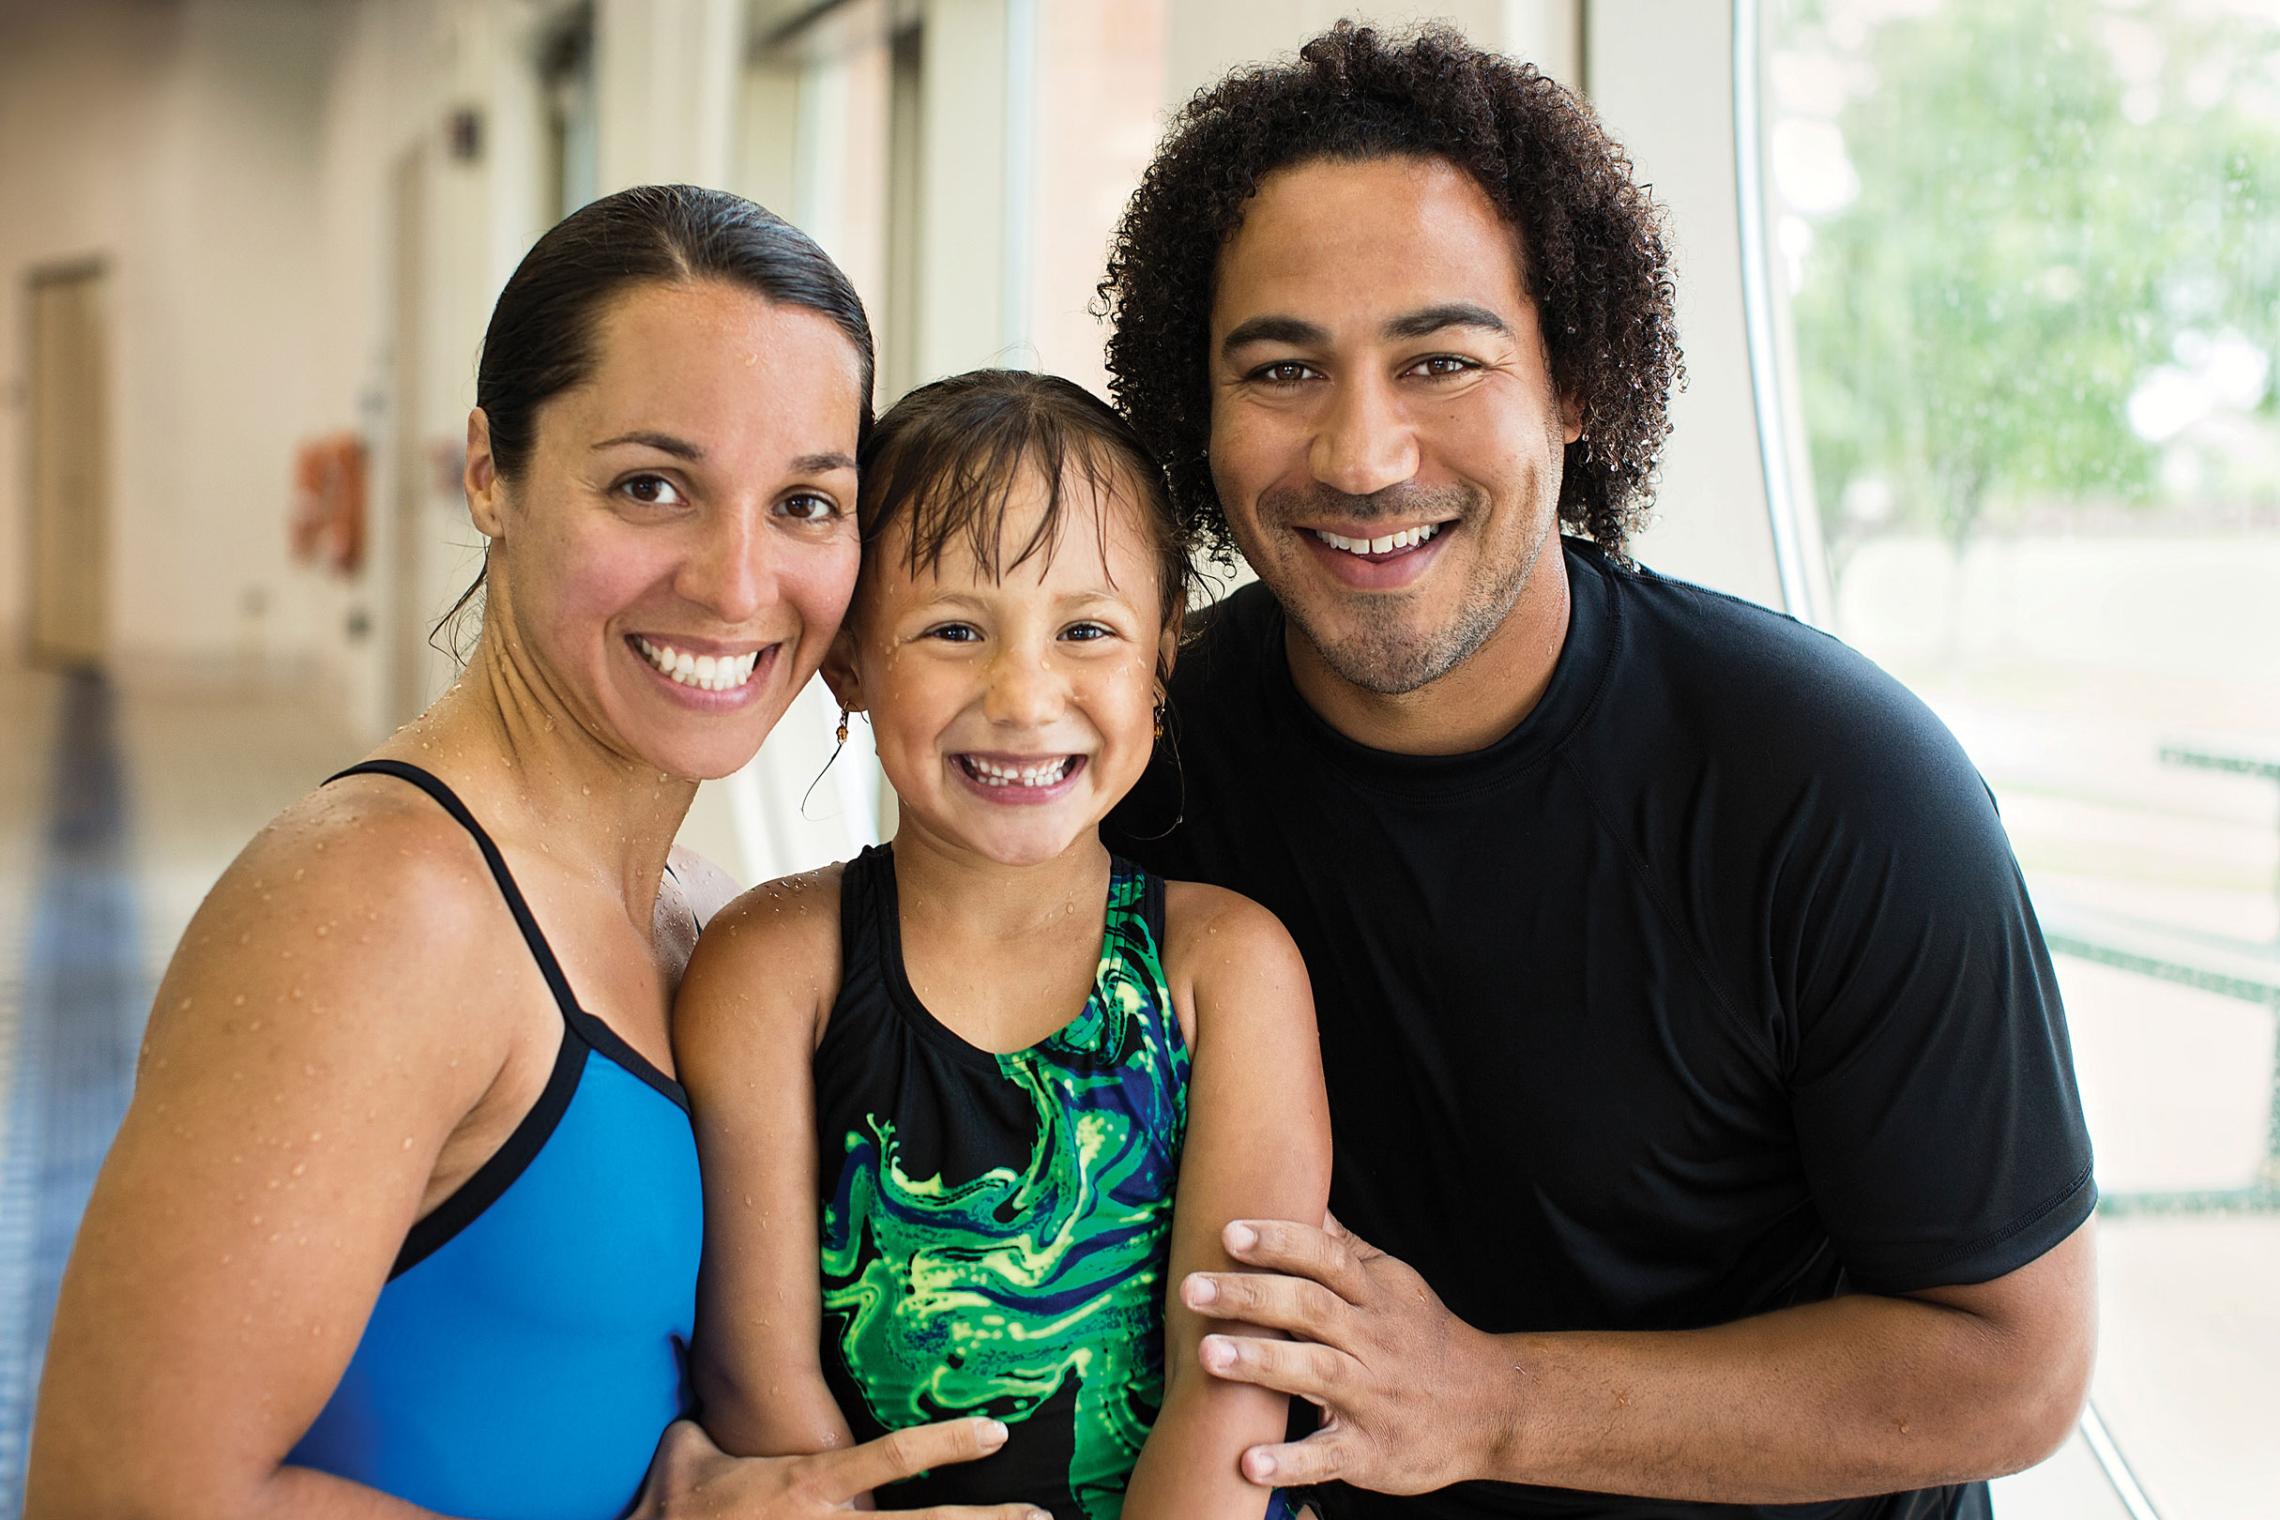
[[363, 894]]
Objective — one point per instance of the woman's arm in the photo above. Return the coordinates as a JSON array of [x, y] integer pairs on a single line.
[[1258, 1145], [744, 1032], [307, 1061]]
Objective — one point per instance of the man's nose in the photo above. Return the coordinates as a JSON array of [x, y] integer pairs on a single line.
[[1364, 443], [729, 570]]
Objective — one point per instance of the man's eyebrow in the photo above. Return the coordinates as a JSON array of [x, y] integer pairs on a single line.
[[1291, 330], [822, 464], [1433, 319], [664, 443]]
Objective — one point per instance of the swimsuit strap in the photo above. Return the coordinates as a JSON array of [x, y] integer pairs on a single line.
[[448, 800]]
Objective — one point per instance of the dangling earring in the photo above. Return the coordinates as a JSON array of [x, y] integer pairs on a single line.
[[1159, 717], [840, 733]]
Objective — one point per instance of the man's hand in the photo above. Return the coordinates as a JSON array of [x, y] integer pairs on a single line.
[[692, 1479], [1407, 1389]]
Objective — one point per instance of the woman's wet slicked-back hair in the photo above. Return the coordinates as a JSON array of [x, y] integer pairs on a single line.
[[541, 338], [1591, 240], [947, 458]]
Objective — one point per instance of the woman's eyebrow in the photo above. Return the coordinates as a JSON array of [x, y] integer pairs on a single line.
[[681, 448], [664, 443]]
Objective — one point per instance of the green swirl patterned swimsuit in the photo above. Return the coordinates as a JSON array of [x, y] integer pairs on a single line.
[[997, 1228]]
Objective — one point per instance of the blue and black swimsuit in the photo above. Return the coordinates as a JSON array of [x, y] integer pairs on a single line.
[[531, 1343]]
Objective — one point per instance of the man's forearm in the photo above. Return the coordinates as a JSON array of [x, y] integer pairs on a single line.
[[1857, 1395]]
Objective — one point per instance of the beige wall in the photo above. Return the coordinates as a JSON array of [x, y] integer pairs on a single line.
[[161, 142]]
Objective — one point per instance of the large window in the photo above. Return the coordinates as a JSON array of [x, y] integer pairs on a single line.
[[2021, 286]]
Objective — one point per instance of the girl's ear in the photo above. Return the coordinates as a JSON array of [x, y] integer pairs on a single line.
[[1168, 649], [486, 502], [839, 673]]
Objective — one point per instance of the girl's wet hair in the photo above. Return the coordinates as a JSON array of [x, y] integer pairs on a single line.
[[948, 457]]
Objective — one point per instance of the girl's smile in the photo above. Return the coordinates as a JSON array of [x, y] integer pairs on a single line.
[[1012, 705]]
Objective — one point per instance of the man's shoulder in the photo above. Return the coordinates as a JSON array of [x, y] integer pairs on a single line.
[[1726, 663]]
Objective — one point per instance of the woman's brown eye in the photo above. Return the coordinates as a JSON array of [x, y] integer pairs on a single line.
[[652, 491]]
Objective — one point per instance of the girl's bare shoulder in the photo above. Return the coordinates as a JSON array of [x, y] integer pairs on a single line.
[[773, 954]]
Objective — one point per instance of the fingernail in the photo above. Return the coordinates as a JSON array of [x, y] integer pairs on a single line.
[[1202, 1290], [1216, 1353], [1262, 1464], [993, 1432], [1241, 1237]]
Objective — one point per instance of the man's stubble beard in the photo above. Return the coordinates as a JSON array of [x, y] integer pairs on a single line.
[[1379, 651]]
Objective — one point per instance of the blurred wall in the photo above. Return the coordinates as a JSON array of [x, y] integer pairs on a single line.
[[308, 209]]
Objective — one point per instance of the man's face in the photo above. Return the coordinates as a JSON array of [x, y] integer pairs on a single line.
[[1385, 437]]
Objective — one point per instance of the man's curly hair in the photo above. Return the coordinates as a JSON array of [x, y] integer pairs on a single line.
[[1591, 241]]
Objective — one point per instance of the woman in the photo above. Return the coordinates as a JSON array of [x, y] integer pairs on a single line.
[[404, 1217]]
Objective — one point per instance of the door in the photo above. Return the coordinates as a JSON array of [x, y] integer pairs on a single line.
[[70, 561]]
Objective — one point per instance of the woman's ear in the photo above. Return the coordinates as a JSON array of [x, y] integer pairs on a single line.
[[839, 673], [486, 492]]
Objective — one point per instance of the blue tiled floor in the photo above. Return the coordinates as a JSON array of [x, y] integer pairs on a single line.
[[83, 996]]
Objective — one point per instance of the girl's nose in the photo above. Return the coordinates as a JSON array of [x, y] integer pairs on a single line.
[[1023, 692]]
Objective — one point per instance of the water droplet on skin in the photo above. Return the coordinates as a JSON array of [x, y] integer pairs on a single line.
[[299, 1167], [323, 930], [238, 1001], [407, 1142]]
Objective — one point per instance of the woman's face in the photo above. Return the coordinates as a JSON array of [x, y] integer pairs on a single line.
[[676, 555]]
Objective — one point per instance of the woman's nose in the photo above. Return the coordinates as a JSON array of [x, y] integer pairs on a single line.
[[728, 570]]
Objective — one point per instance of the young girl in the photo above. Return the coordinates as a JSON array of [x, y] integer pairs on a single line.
[[968, 1071]]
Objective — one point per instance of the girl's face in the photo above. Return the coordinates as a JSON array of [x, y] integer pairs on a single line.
[[674, 560], [1010, 715]]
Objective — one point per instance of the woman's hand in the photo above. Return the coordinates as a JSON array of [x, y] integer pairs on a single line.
[[692, 1479]]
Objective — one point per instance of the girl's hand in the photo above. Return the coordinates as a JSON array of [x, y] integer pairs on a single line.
[[692, 1479]]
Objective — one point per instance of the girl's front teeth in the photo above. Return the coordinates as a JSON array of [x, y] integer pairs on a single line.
[[1040, 773], [703, 671]]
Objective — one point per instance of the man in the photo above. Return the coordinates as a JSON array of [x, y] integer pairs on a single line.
[[1705, 1120]]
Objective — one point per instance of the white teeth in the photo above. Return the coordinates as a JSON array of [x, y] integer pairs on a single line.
[[1407, 538], [1036, 773], [704, 671]]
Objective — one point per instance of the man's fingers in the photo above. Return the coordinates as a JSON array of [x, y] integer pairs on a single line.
[[1293, 1304], [1301, 1250], [904, 1453], [1295, 1367], [1320, 1458]]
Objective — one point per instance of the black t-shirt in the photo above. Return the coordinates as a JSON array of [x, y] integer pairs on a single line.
[[1711, 988]]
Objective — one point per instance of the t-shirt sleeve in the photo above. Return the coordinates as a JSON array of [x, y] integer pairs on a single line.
[[1932, 1082]]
